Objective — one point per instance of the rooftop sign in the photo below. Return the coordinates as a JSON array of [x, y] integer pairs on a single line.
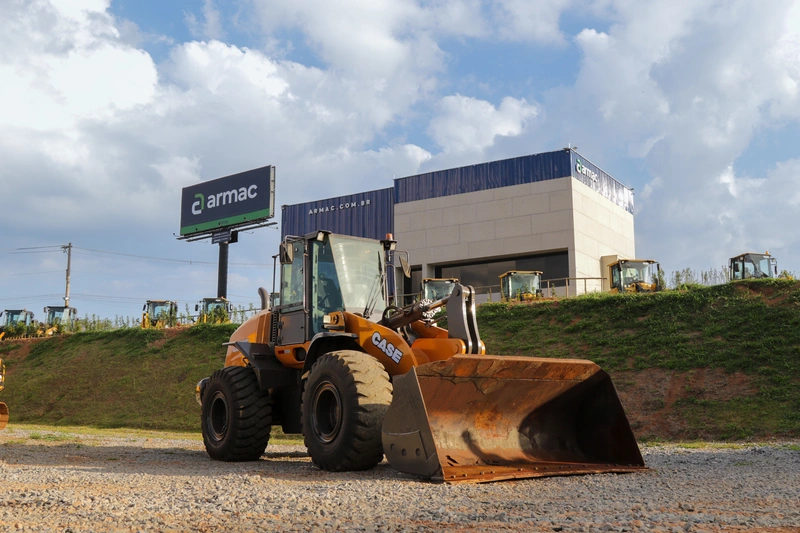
[[227, 202]]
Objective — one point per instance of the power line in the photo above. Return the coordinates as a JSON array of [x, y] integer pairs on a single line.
[[186, 261]]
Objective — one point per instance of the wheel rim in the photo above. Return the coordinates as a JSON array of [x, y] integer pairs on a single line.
[[218, 416], [326, 414]]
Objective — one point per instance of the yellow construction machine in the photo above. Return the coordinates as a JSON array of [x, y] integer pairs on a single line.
[[213, 311], [521, 285], [359, 378], [634, 275], [58, 318], [752, 265], [159, 314], [16, 323], [437, 288], [3, 407]]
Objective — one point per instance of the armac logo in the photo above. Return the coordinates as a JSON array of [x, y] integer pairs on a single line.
[[223, 198], [586, 171]]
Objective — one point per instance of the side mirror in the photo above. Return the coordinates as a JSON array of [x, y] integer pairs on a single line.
[[776, 270], [44, 310], [736, 267], [196, 308], [287, 253], [406, 267], [144, 307]]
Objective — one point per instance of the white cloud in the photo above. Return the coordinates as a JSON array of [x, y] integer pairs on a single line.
[[523, 20], [466, 124], [211, 25]]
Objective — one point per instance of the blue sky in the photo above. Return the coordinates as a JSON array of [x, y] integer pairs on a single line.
[[109, 108]]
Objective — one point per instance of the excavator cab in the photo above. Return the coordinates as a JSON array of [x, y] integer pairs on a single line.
[[520, 285], [437, 288], [159, 314], [753, 266], [634, 275]]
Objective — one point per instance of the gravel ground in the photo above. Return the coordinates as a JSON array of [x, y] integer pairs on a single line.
[[71, 482]]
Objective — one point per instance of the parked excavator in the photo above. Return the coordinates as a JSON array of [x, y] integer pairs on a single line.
[[159, 314], [360, 378], [634, 275], [752, 265], [3, 407], [213, 311], [521, 285]]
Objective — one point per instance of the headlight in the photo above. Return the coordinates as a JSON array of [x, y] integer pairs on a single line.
[[199, 389]]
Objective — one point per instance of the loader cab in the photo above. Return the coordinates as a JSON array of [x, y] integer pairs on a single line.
[[522, 285], [634, 275], [434, 289], [214, 310], [753, 266], [159, 314], [323, 272], [60, 315], [13, 317]]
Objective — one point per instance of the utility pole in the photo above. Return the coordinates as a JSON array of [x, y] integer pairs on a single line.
[[68, 250]]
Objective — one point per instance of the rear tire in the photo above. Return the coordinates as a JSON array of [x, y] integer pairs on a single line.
[[236, 415], [344, 402]]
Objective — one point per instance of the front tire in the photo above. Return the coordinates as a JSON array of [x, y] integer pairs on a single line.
[[344, 402], [236, 415]]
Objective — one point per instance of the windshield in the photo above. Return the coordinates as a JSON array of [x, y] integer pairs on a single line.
[[159, 309], [637, 271], [436, 290], [54, 315], [349, 271], [14, 317], [756, 266], [523, 284]]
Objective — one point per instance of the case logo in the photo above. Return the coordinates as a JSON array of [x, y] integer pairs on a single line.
[[387, 347]]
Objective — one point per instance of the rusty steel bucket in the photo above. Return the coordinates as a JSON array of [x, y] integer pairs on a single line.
[[478, 418], [3, 415]]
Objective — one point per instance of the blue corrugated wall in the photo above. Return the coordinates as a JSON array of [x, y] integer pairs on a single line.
[[367, 214]]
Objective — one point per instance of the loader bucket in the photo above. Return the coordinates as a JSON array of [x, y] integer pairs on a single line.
[[3, 415], [478, 418]]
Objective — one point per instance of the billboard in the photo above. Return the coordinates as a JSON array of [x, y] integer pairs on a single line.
[[235, 200]]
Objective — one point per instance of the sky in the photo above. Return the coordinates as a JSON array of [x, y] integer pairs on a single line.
[[108, 108]]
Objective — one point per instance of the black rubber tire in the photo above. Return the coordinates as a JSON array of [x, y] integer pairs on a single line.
[[236, 415], [344, 401]]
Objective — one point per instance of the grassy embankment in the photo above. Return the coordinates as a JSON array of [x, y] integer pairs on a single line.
[[717, 362]]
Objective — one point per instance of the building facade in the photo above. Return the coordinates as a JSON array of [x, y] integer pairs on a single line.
[[555, 212]]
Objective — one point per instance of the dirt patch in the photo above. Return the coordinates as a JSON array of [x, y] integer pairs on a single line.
[[649, 396]]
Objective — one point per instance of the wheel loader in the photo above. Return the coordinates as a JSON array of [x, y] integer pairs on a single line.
[[751, 265], [359, 378], [437, 288], [213, 311], [159, 314], [634, 275], [3, 407], [521, 285]]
